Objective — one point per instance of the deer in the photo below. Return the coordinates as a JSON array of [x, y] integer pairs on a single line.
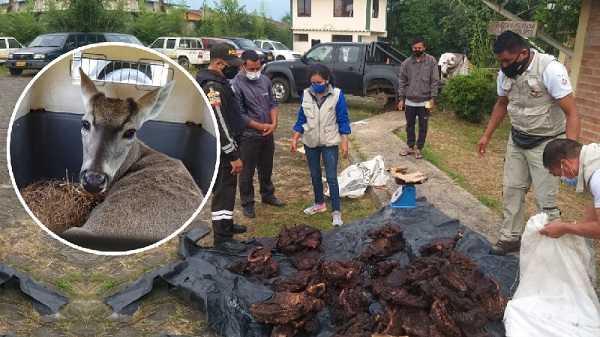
[[149, 195]]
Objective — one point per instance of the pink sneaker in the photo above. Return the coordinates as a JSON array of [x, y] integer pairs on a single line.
[[315, 209]]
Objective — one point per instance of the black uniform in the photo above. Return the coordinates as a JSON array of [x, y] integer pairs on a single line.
[[224, 102]]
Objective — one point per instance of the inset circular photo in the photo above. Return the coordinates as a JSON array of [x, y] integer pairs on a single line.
[[112, 148]]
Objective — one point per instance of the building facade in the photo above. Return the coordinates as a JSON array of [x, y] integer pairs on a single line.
[[585, 71], [316, 21]]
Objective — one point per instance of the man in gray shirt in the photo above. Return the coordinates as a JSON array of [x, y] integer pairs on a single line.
[[259, 110], [417, 89]]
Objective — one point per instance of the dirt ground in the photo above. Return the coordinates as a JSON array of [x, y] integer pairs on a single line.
[[86, 279]]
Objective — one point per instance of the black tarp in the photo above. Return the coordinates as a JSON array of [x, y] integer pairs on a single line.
[[200, 278], [45, 301]]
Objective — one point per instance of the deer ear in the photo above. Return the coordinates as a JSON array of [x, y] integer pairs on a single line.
[[152, 103], [88, 89]]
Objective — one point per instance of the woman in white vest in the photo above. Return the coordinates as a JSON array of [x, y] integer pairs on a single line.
[[534, 90], [579, 166], [323, 124]]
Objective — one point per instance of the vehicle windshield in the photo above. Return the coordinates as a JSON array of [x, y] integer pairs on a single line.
[[231, 42], [245, 43], [123, 38], [279, 46], [48, 41]]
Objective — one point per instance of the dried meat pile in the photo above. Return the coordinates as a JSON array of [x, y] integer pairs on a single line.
[[58, 204], [442, 293]]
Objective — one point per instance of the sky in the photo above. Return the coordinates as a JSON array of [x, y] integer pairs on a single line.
[[276, 9]]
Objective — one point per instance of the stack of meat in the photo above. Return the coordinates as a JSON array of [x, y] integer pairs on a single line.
[[300, 296], [442, 293]]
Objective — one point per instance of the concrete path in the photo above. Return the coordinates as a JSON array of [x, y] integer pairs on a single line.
[[375, 136]]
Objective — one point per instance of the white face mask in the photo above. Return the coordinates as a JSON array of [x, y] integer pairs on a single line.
[[252, 76]]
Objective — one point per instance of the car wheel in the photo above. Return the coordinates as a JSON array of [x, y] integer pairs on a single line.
[[15, 72], [184, 62], [280, 58], [281, 88], [381, 98]]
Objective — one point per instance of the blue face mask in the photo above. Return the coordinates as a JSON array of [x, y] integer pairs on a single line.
[[570, 182], [319, 88]]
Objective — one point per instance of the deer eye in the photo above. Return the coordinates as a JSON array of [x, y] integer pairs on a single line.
[[129, 134], [85, 125]]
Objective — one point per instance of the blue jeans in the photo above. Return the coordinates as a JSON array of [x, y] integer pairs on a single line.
[[330, 157]]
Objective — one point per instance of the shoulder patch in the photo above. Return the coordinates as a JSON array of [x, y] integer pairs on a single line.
[[214, 97]]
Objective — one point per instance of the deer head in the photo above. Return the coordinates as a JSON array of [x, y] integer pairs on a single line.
[[108, 130]]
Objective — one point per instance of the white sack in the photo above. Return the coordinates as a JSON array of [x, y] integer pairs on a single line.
[[354, 180], [555, 296]]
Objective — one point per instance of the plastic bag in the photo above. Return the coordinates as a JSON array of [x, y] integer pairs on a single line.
[[555, 296], [354, 180]]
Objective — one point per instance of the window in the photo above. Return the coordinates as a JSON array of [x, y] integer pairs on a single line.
[[12, 43], [211, 43], [375, 9], [158, 43], [321, 54], [71, 43], [300, 37], [2, 43], [81, 40], [170, 44], [303, 7], [343, 8], [348, 54], [341, 38]]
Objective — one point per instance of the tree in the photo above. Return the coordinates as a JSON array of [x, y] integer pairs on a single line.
[[231, 19], [20, 25], [287, 19], [150, 25], [86, 16]]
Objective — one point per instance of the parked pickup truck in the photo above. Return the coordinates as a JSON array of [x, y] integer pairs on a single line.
[[359, 68]]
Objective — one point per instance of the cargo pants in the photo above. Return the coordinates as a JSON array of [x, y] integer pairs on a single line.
[[522, 167]]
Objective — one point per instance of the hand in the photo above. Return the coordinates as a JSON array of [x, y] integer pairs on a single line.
[[293, 146], [269, 129], [401, 105], [553, 229], [236, 167], [481, 145], [431, 104], [345, 149]]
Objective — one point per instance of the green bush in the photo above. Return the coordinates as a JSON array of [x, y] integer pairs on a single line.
[[470, 96]]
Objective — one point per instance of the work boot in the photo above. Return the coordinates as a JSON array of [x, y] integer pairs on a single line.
[[249, 211], [230, 245], [238, 229], [274, 202], [504, 247]]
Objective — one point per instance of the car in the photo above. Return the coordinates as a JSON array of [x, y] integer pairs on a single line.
[[8, 45], [185, 50], [208, 42], [264, 55], [280, 51], [47, 47]]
